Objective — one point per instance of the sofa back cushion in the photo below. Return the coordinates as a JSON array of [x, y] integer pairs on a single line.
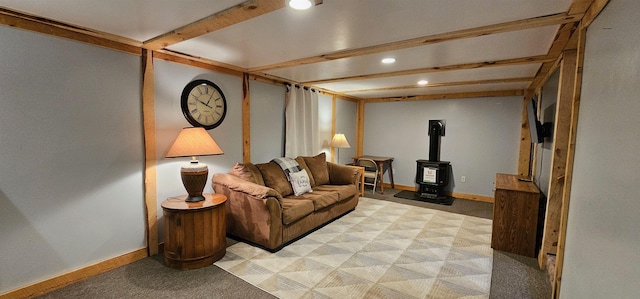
[[275, 178], [318, 167], [247, 172]]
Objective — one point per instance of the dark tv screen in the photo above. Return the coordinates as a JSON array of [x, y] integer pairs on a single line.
[[535, 127]]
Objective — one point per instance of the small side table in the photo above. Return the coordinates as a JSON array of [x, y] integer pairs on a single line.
[[194, 232]]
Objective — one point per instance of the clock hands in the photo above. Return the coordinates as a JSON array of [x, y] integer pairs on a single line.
[[206, 104]]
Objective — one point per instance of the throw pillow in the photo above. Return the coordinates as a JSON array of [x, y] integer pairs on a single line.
[[304, 166], [275, 178], [238, 170], [318, 167], [300, 182]]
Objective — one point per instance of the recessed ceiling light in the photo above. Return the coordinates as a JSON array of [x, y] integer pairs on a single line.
[[300, 4], [423, 82], [388, 60]]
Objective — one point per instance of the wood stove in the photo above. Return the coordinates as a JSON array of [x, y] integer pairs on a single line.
[[432, 176]]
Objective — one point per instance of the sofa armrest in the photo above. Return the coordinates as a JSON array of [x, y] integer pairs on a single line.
[[239, 185], [343, 174], [254, 212]]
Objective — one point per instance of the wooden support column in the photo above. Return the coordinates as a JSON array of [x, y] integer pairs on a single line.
[[360, 128], [524, 158], [560, 153], [333, 126], [246, 119], [575, 107], [149, 124]]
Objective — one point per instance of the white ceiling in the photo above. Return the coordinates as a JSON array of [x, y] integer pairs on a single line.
[[335, 25]]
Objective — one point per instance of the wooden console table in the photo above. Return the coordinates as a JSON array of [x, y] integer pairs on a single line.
[[515, 215], [382, 166], [194, 232]]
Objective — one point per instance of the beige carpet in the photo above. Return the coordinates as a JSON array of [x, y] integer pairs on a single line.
[[381, 250]]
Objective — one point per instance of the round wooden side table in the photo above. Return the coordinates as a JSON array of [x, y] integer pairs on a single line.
[[194, 232]]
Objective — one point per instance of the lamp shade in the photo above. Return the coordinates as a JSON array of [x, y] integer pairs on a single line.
[[193, 142], [339, 141]]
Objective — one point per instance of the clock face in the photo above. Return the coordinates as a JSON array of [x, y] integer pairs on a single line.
[[203, 104]]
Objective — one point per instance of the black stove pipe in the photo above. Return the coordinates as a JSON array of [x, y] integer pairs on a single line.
[[436, 130]]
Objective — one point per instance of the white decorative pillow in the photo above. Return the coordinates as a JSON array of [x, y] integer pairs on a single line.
[[300, 182]]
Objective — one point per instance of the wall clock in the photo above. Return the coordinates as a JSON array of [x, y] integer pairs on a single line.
[[203, 104]]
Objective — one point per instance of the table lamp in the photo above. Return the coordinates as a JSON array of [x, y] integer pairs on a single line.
[[339, 141], [194, 142]]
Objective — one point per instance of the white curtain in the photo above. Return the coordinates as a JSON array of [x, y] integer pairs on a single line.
[[301, 118]]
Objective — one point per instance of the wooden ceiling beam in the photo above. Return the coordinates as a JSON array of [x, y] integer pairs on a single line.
[[200, 62], [579, 6], [216, 66], [234, 15], [593, 11], [549, 20], [559, 43], [435, 69], [42, 25], [445, 84], [457, 95], [566, 37]]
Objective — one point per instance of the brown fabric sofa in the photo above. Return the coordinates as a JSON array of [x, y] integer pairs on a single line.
[[262, 209]]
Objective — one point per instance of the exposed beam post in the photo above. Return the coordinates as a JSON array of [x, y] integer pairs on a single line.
[[333, 126], [149, 126], [246, 119], [575, 107], [524, 157], [561, 136], [360, 128]]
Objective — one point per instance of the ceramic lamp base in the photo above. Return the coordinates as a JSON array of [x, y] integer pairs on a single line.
[[194, 178]]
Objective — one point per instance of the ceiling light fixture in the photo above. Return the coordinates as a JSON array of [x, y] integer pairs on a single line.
[[388, 60], [300, 4], [423, 82]]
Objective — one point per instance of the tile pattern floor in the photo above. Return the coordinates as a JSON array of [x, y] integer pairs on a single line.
[[381, 250]]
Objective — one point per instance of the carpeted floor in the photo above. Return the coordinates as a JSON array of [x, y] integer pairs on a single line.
[[513, 276]]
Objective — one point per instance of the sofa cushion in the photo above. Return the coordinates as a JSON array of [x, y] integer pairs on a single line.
[[344, 192], [247, 172], [304, 166], [275, 178], [318, 167], [240, 171], [237, 184], [295, 209], [320, 199], [255, 173]]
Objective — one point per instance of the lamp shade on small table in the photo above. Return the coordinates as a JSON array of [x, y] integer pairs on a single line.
[[192, 142]]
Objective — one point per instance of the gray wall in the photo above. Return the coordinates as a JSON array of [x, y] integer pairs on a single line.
[[71, 155], [267, 121], [602, 246], [346, 119], [481, 139]]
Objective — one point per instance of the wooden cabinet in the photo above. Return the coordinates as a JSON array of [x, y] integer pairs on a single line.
[[194, 232], [515, 215]]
